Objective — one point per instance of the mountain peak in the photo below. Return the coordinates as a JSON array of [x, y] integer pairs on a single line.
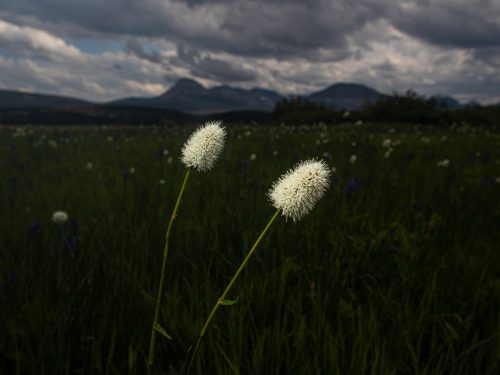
[[343, 88], [184, 87], [346, 96], [187, 84]]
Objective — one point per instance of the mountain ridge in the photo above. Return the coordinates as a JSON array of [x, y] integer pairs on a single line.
[[11, 99], [189, 96]]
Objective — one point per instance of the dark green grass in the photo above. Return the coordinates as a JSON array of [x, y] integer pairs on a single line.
[[400, 275]]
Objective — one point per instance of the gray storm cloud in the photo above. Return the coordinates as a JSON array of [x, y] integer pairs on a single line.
[[283, 28], [213, 68], [366, 40]]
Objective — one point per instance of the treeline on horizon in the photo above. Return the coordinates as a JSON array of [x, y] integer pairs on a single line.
[[408, 107]]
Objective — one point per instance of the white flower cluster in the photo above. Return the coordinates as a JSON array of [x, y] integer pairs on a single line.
[[59, 217], [204, 146], [443, 163], [298, 190]]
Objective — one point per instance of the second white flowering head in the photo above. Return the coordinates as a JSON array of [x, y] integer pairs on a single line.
[[203, 147], [297, 191]]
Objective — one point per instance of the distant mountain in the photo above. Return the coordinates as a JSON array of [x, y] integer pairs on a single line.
[[349, 96], [185, 97], [473, 103], [94, 114], [120, 115], [448, 102], [189, 96], [17, 99]]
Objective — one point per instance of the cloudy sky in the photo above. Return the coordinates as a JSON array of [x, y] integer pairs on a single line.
[[107, 49]]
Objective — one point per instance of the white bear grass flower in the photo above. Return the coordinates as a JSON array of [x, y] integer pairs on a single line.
[[297, 191], [204, 146], [443, 163], [200, 152], [294, 195], [59, 217]]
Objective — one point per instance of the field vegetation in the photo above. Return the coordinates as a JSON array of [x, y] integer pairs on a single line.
[[396, 270]]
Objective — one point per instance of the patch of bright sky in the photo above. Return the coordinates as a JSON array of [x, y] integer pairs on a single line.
[[5, 53], [151, 47]]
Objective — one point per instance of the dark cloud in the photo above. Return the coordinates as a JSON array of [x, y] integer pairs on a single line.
[[281, 29], [135, 47], [277, 28], [213, 68], [289, 45], [457, 23], [490, 56]]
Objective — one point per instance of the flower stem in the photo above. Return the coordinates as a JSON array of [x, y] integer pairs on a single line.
[[162, 277], [226, 291]]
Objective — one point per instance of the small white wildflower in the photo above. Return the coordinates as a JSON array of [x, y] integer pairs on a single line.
[[443, 163], [165, 152], [204, 146], [253, 157], [353, 144], [353, 159], [89, 166], [131, 170], [497, 180], [387, 143], [275, 153], [110, 138], [358, 123], [388, 153], [298, 190], [161, 182], [169, 160], [59, 217]]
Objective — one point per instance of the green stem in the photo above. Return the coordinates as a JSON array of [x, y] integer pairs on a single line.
[[226, 291], [162, 277]]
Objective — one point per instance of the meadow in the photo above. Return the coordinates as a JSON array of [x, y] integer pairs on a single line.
[[395, 271]]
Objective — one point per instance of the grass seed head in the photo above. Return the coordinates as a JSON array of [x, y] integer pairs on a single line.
[[298, 190], [204, 146]]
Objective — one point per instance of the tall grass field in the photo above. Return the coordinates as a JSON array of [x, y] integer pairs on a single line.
[[395, 271]]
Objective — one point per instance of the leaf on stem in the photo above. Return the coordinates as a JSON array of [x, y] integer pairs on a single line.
[[160, 329], [228, 302]]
